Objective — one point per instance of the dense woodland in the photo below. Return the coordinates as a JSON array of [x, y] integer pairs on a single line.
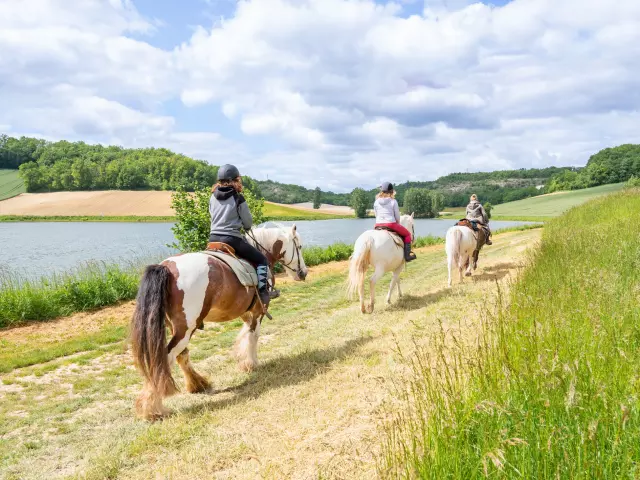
[[51, 166]]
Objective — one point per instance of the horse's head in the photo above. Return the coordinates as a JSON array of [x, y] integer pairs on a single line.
[[292, 258], [283, 245], [407, 221]]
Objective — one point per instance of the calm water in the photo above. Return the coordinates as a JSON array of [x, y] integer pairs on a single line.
[[35, 249]]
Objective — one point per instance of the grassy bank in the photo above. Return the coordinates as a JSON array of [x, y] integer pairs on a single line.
[[552, 389]]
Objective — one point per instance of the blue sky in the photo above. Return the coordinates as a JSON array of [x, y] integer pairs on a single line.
[[336, 93]]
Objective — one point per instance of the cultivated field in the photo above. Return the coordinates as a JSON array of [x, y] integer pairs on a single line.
[[312, 410], [10, 184], [122, 203], [551, 205]]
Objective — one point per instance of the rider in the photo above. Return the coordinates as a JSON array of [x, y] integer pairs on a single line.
[[476, 213], [388, 216], [229, 213]]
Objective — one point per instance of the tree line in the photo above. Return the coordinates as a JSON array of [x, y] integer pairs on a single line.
[[611, 165]]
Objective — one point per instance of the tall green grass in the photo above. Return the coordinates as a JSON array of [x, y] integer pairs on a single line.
[[88, 287], [552, 389]]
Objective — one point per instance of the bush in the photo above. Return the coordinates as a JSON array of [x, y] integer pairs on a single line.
[[633, 182], [419, 202], [359, 202]]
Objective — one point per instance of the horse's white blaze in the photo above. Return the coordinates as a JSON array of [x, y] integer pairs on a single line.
[[193, 279]]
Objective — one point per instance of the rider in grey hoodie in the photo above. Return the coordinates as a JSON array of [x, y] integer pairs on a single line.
[[229, 214]]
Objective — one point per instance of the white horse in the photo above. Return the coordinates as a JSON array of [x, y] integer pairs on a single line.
[[385, 252], [461, 242]]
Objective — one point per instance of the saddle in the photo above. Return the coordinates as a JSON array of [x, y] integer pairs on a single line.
[[245, 271], [395, 235]]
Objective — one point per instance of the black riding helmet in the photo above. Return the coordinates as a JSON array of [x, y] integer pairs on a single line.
[[228, 172]]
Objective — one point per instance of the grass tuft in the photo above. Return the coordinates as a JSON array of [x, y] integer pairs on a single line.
[[551, 391]]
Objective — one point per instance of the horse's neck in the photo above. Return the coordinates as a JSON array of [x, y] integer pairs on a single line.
[[267, 238]]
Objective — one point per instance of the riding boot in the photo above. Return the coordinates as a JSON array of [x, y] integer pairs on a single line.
[[263, 286], [488, 241], [409, 256]]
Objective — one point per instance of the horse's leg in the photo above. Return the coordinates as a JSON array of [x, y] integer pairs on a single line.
[[379, 272], [246, 347], [194, 382], [363, 309], [395, 280]]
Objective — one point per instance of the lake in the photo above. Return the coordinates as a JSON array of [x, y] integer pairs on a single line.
[[42, 248]]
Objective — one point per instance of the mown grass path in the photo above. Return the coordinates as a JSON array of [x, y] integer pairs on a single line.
[[310, 411]]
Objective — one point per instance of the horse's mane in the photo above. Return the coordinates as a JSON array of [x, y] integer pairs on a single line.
[[271, 234]]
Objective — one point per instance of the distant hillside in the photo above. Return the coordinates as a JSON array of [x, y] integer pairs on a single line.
[[552, 204], [68, 166], [10, 184]]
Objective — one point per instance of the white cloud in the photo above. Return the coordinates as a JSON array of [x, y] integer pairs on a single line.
[[350, 91]]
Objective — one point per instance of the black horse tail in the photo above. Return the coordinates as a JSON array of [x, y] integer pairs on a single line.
[[148, 336]]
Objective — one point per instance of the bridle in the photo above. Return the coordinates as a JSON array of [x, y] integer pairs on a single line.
[[295, 256]]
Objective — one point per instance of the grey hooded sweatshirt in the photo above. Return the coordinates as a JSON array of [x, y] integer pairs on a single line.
[[229, 212], [475, 211]]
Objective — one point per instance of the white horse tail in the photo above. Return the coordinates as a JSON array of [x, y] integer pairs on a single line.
[[453, 246], [360, 261]]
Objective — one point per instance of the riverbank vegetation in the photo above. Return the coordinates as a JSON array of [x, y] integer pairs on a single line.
[[551, 391]]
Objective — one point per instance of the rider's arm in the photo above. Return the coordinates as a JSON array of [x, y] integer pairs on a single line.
[[245, 214], [396, 211]]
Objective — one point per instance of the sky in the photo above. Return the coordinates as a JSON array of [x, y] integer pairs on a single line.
[[328, 93]]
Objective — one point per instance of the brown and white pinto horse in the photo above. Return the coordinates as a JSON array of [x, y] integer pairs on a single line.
[[186, 290]]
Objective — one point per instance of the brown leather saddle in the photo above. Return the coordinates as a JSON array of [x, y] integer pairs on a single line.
[[221, 247]]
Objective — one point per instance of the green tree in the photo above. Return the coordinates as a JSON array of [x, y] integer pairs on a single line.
[[193, 224], [317, 198], [437, 203], [418, 201], [359, 202], [487, 208]]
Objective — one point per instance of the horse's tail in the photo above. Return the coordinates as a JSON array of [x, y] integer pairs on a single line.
[[148, 336], [454, 244], [358, 266]]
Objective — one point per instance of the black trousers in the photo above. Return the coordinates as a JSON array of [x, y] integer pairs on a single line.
[[242, 248]]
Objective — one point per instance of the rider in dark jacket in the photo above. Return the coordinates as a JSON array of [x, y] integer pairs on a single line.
[[476, 212], [229, 214]]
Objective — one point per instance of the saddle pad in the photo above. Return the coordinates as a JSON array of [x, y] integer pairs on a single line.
[[244, 270], [394, 235]]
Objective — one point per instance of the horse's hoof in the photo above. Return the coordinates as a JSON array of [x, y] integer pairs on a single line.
[[467, 274]]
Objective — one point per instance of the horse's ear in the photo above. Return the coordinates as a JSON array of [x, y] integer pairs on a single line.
[[277, 249], [412, 214], [293, 229]]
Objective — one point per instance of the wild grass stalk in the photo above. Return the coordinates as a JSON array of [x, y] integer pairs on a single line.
[[551, 389]]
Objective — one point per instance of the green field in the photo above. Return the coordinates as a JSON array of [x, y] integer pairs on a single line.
[[274, 211], [552, 205], [10, 184], [551, 389]]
